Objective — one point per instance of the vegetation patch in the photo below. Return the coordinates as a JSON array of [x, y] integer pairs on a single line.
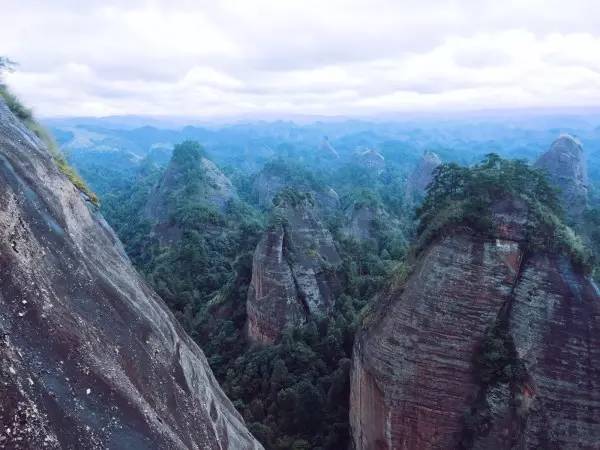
[[463, 196]]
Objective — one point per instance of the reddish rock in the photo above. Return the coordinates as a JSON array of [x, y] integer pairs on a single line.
[[90, 357], [414, 383]]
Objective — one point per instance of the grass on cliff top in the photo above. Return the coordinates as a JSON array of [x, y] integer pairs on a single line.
[[26, 116], [463, 196]]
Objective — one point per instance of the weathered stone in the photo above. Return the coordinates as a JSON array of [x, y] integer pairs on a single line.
[[421, 176], [214, 190], [414, 382], [90, 357], [293, 274], [566, 167]]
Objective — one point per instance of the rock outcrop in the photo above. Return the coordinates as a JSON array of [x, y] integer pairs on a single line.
[[90, 357], [566, 167], [190, 178], [294, 270], [273, 178], [484, 346], [421, 176], [372, 160]]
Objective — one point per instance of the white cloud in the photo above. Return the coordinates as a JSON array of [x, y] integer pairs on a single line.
[[347, 57]]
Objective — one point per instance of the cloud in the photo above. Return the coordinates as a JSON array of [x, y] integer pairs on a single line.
[[351, 57]]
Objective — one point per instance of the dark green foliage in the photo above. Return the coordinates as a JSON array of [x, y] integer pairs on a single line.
[[294, 198], [463, 196]]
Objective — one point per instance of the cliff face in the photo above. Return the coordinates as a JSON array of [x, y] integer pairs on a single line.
[[195, 180], [482, 347], [90, 357], [293, 273], [566, 168], [268, 183], [421, 176]]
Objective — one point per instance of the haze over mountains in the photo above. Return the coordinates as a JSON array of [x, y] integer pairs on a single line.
[[300, 225]]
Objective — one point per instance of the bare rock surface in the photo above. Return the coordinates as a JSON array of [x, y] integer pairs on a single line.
[[421, 176], [214, 190], [566, 168], [415, 382], [90, 357], [293, 273]]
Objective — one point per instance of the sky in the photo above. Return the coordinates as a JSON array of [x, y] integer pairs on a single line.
[[328, 57]]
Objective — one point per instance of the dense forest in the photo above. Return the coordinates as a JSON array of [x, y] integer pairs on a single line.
[[199, 255]]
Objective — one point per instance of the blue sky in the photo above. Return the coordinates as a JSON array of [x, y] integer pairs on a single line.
[[233, 58]]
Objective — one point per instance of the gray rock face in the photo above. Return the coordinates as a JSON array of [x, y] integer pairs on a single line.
[[90, 357], [566, 167], [215, 190], [421, 176], [293, 274], [414, 383]]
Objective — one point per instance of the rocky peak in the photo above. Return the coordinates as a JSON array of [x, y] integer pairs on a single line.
[[90, 357], [566, 167], [371, 159], [278, 175], [328, 150], [507, 333], [189, 178], [421, 176], [294, 269]]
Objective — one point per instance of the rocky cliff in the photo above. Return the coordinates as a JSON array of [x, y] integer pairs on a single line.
[[277, 176], [293, 273], [191, 178], [90, 357], [421, 176], [566, 168], [484, 346]]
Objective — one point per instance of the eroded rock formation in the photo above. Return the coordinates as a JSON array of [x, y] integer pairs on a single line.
[[190, 178], [270, 181], [293, 273], [483, 347], [371, 159], [566, 168], [421, 176], [90, 357]]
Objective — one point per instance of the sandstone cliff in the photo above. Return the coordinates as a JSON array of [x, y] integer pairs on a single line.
[[485, 346], [566, 168], [90, 357], [293, 273]]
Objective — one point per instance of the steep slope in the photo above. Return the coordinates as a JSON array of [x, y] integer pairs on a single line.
[[192, 179], [90, 357], [371, 159], [566, 167], [278, 174], [421, 176], [294, 270], [486, 345]]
